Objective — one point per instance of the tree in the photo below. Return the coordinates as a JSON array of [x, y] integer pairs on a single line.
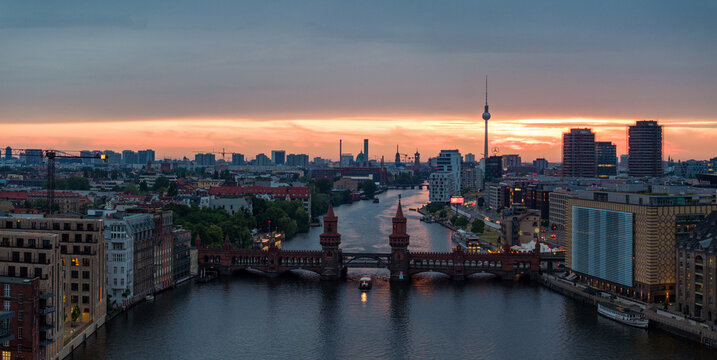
[[442, 213], [75, 314], [161, 183], [478, 226], [460, 221], [323, 185], [368, 187], [143, 186], [172, 189], [433, 207], [214, 235], [131, 189]]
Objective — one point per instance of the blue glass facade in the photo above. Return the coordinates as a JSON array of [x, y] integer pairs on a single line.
[[602, 244]]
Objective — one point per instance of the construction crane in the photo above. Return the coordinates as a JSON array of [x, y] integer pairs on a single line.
[[51, 155], [223, 153]]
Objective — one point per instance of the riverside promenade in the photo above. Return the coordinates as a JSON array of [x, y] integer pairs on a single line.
[[664, 320]]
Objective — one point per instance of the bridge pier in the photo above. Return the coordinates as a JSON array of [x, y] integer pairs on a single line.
[[459, 277]]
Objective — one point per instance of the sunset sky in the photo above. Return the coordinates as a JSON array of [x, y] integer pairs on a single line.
[[252, 76]]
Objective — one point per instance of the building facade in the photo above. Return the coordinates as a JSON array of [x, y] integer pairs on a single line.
[[441, 186], [579, 153], [696, 294], [602, 228], [645, 149], [120, 260], [606, 157]]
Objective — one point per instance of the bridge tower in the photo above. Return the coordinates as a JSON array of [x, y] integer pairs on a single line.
[[331, 259], [399, 247]]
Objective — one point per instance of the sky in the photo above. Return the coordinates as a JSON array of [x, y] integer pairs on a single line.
[[253, 76]]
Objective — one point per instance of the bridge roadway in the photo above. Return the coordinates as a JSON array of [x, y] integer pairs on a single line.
[[457, 264]]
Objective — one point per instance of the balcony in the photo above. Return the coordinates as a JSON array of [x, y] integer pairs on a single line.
[[46, 327], [46, 342], [47, 310], [46, 296], [5, 334]]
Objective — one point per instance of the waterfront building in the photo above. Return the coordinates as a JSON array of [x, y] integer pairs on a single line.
[[625, 242], [519, 226], [120, 260], [450, 161], [645, 149], [606, 157], [142, 229], [558, 208], [181, 256], [278, 157], [441, 186], [162, 252], [696, 244], [29, 276], [346, 183], [579, 153], [82, 271]]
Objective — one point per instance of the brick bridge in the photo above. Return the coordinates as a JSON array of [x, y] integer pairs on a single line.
[[331, 263]]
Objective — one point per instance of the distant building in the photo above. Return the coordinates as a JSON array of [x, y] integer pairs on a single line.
[[493, 168], [540, 165], [8, 153], [417, 160], [579, 153], [207, 159], [511, 161], [298, 160], [181, 257], [145, 156], [606, 158], [471, 177], [262, 160], [645, 149], [470, 158], [691, 168], [129, 157], [278, 157], [231, 205], [346, 183], [237, 159], [33, 156], [347, 159]]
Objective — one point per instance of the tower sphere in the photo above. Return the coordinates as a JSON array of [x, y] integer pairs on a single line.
[[486, 116]]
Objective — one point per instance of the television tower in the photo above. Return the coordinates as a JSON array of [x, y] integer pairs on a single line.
[[486, 117]]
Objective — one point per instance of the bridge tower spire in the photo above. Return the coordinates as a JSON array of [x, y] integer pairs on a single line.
[[399, 240], [330, 239]]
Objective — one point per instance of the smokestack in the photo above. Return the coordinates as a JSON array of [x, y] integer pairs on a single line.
[[340, 150], [365, 151]]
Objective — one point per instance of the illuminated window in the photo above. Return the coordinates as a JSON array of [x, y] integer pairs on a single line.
[[75, 262], [6, 355]]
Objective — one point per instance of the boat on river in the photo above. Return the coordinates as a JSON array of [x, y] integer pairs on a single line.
[[375, 200], [365, 283], [625, 316]]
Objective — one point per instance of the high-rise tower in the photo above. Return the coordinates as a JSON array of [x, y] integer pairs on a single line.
[[486, 117], [645, 149]]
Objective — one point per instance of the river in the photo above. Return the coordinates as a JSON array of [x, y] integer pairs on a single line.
[[296, 316]]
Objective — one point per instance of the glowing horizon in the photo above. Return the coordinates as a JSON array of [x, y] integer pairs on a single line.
[[174, 138]]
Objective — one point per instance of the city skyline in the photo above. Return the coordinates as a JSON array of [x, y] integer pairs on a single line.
[[248, 76]]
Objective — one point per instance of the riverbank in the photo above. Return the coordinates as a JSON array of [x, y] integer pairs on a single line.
[[663, 320]]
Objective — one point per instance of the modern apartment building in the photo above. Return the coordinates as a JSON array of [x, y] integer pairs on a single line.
[[120, 260], [81, 272], [441, 186], [450, 161], [30, 275], [625, 242]]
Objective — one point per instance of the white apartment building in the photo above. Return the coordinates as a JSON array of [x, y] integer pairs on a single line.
[[441, 185], [120, 260], [450, 161]]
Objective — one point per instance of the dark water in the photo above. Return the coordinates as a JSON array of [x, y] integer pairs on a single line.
[[298, 317]]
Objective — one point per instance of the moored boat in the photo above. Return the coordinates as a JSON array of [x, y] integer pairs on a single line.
[[365, 283], [149, 297], [375, 199], [625, 316]]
